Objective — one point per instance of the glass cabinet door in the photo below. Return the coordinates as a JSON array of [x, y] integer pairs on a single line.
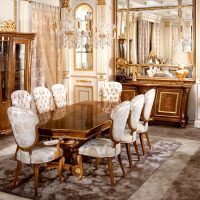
[[5, 70], [19, 66]]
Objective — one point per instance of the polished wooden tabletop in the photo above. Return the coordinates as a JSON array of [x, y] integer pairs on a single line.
[[78, 121]]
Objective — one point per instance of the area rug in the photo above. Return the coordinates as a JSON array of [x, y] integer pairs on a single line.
[[95, 184]]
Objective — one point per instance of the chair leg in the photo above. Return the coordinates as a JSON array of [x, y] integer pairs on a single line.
[[60, 168], [121, 164], [98, 160], [136, 150], [128, 149], [80, 163], [110, 168], [36, 174], [19, 164], [142, 143], [148, 141]]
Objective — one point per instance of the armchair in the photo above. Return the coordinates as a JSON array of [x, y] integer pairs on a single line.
[[111, 91], [43, 99], [60, 95], [108, 148], [142, 129], [129, 135], [21, 98], [29, 151]]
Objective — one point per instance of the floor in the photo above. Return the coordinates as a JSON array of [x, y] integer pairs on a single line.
[[177, 178]]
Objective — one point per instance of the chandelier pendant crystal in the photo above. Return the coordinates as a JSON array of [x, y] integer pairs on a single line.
[[70, 34]]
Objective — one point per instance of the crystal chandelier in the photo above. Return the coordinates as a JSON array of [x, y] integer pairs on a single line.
[[69, 33]]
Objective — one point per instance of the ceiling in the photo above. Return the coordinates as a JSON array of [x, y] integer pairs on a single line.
[[151, 3], [164, 14]]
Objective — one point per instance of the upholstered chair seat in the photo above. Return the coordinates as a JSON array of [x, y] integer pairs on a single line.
[[60, 95], [38, 155], [21, 98], [142, 129], [108, 148], [111, 91], [29, 150], [100, 147], [129, 136], [43, 99]]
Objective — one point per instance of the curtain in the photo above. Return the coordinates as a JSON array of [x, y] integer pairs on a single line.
[[155, 41], [133, 45], [144, 33], [47, 66]]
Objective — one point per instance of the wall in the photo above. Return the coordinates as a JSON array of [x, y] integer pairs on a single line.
[[6, 10]]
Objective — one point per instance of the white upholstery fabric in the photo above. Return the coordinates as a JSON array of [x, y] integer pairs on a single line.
[[50, 142], [100, 147], [137, 104], [119, 115], [127, 137], [21, 98], [38, 155], [43, 99], [148, 103], [142, 128], [23, 123], [60, 95], [111, 91]]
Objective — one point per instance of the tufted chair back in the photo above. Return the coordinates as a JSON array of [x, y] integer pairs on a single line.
[[119, 115], [21, 98], [23, 122], [111, 91], [60, 95], [43, 99], [148, 103], [136, 107]]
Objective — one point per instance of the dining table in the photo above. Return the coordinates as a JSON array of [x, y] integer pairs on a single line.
[[75, 124]]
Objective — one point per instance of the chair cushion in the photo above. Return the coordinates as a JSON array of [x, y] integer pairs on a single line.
[[100, 147], [39, 155], [142, 128], [127, 137]]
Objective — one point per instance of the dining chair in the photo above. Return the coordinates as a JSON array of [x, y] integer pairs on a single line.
[[21, 98], [142, 129], [130, 133], [108, 147], [60, 95], [43, 99], [111, 91], [29, 150]]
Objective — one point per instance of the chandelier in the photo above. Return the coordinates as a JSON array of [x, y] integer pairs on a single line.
[[70, 34]]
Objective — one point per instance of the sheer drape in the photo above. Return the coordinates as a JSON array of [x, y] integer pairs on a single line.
[[155, 41], [144, 33], [47, 64], [133, 37]]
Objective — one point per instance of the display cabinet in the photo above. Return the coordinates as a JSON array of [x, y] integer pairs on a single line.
[[15, 69]]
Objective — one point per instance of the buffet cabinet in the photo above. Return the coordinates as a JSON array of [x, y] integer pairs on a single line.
[[170, 104], [15, 70]]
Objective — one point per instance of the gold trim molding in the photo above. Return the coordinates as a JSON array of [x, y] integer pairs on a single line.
[[101, 2], [8, 25], [84, 81], [65, 3]]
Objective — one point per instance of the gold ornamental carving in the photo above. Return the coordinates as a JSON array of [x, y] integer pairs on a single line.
[[65, 3], [8, 25], [101, 2], [84, 81]]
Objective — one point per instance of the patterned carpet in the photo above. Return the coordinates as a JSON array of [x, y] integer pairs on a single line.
[[95, 184]]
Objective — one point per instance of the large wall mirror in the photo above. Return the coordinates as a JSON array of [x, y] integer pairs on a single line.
[[84, 52], [156, 32]]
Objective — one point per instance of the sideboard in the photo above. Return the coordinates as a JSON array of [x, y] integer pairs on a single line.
[[171, 100]]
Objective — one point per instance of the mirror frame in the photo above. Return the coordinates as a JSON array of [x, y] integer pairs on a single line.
[[75, 66], [128, 65]]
